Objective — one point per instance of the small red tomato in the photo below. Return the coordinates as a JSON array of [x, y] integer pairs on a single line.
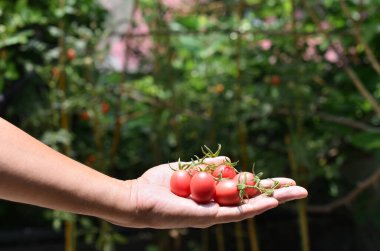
[[105, 107], [202, 187], [275, 80], [180, 183], [227, 193], [225, 171], [248, 179], [85, 116], [71, 54]]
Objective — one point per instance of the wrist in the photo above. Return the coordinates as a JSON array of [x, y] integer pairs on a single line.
[[123, 209]]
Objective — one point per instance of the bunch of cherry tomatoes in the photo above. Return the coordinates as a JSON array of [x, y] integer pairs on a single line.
[[203, 182]]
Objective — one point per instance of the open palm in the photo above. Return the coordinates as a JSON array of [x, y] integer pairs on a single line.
[[157, 207]]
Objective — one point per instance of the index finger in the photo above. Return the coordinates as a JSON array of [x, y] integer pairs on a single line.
[[217, 160]]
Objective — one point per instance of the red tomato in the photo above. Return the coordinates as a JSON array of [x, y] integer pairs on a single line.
[[71, 54], [85, 116], [105, 107], [227, 193], [275, 80], [248, 179], [202, 187], [226, 171], [180, 183]]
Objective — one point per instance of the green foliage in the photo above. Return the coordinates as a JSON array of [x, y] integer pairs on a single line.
[[209, 71]]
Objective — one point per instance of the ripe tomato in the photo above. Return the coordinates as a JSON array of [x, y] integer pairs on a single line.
[[275, 80], [85, 116], [225, 171], [105, 107], [202, 187], [71, 54], [248, 179], [227, 193], [180, 183]]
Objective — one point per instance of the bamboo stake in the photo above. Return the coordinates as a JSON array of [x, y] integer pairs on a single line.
[[242, 134], [70, 225], [219, 237], [304, 224], [205, 239], [295, 168], [301, 204]]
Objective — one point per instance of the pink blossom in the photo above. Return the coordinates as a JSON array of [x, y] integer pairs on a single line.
[[325, 25], [265, 44], [331, 56], [299, 14]]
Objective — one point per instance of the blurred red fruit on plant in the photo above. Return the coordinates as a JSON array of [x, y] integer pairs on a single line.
[[85, 116], [71, 54], [105, 107], [275, 80]]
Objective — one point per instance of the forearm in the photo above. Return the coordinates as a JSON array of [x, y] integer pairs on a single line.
[[33, 173]]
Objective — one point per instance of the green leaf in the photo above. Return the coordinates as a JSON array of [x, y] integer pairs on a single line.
[[367, 140], [11, 72], [19, 38]]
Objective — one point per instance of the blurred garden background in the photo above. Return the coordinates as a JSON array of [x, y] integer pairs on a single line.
[[290, 85]]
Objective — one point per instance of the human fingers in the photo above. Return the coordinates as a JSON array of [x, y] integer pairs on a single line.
[[207, 162], [278, 182], [217, 160], [286, 194], [249, 209], [262, 203]]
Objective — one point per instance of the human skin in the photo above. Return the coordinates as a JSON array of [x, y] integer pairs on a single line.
[[33, 173]]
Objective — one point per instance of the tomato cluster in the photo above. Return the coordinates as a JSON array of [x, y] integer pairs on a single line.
[[221, 183]]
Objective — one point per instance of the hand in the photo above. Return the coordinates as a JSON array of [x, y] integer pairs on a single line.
[[157, 207]]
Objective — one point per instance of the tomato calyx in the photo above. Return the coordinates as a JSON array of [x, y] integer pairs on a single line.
[[208, 153], [182, 166], [242, 186]]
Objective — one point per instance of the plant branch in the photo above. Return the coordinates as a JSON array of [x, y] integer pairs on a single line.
[[359, 38], [279, 32], [332, 118], [350, 197]]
